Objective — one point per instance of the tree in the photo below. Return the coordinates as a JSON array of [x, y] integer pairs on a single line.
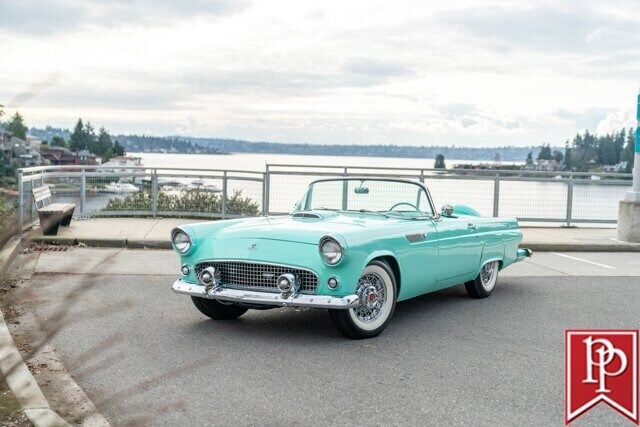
[[16, 126], [557, 156], [439, 164], [529, 161], [545, 152], [78, 139], [628, 153], [118, 150], [58, 141], [104, 147]]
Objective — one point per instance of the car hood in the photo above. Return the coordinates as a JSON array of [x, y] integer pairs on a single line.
[[303, 229]]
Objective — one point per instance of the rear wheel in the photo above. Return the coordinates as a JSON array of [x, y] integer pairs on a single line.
[[218, 310], [483, 284], [377, 292]]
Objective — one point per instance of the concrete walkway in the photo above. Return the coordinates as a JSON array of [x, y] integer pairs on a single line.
[[154, 233]]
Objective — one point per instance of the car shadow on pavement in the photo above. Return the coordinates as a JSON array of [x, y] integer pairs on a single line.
[[451, 305]]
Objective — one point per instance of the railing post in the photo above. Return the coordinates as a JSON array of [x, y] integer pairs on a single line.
[[422, 176], [496, 195], [223, 202], [345, 190], [154, 192], [569, 200], [265, 197], [20, 201], [83, 192]]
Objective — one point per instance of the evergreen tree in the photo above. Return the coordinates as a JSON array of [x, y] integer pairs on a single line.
[[91, 138], [529, 161], [629, 151], [104, 145], [557, 156], [118, 150], [58, 141], [78, 139], [439, 163], [16, 126], [545, 152]]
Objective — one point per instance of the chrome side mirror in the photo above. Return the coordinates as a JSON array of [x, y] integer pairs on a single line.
[[447, 210]]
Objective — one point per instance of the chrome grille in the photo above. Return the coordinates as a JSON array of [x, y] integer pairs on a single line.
[[257, 276]]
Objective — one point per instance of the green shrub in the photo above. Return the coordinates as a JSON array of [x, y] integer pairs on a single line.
[[188, 201]]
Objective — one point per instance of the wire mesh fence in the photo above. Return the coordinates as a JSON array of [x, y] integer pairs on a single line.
[[216, 194]]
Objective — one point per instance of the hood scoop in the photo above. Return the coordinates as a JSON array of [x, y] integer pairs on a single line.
[[308, 215]]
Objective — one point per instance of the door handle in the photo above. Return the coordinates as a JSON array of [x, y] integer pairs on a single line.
[[471, 226]]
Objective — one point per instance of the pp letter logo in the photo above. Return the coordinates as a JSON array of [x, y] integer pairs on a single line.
[[602, 366]]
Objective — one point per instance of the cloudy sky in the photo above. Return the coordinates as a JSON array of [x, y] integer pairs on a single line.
[[472, 73]]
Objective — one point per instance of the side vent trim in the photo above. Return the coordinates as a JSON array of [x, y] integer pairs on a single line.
[[415, 238]]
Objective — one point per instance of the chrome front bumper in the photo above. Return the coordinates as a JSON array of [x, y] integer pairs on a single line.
[[266, 298]]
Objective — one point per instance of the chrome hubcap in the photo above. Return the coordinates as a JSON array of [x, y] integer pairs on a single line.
[[487, 274], [372, 297]]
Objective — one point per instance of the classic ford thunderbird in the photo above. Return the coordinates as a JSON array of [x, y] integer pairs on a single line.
[[353, 246]]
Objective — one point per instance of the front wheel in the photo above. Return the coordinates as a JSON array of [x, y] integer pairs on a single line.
[[377, 292], [483, 284], [218, 310]]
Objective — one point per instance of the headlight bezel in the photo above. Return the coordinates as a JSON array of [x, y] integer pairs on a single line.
[[331, 240], [189, 241]]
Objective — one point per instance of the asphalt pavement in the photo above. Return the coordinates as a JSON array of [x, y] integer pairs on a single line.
[[142, 353]]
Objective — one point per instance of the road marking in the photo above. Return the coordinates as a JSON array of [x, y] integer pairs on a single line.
[[584, 260]]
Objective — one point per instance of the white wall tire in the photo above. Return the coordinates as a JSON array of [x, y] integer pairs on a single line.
[[483, 284], [378, 293]]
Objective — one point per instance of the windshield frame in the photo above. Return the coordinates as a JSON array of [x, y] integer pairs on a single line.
[[300, 206]]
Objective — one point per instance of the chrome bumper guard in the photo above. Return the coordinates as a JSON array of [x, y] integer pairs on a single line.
[[266, 298]]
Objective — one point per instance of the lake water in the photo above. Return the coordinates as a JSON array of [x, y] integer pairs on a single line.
[[257, 161], [592, 200]]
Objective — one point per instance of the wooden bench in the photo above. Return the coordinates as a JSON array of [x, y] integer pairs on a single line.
[[51, 215]]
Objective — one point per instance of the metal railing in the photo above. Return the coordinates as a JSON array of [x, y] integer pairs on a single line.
[[531, 196]]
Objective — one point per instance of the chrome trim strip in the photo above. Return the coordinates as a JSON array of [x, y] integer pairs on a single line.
[[266, 298]]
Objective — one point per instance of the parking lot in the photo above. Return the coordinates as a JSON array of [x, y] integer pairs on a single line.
[[141, 352]]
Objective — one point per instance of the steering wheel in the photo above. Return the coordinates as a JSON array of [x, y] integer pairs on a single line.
[[415, 208]]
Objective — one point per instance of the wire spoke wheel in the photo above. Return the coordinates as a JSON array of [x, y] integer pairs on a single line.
[[376, 289], [371, 291], [488, 275], [484, 283]]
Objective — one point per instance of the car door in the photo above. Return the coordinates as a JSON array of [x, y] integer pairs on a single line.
[[459, 247]]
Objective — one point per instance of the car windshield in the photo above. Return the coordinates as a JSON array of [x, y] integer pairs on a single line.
[[374, 196]]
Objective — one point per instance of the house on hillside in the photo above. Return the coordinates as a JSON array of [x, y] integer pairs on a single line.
[[65, 157], [18, 153]]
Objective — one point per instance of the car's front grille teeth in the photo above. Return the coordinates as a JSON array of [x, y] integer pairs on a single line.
[[259, 277]]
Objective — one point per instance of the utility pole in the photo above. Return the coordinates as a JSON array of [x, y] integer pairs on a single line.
[[629, 208]]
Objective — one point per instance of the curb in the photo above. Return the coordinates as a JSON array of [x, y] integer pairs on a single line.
[[165, 244], [582, 247], [22, 384], [104, 243], [18, 376], [8, 253]]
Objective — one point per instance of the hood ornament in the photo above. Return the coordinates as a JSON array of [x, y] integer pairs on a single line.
[[252, 247]]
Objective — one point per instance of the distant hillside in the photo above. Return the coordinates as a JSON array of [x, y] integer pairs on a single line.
[[179, 144]]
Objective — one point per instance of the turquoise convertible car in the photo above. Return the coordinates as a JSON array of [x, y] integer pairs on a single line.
[[353, 246]]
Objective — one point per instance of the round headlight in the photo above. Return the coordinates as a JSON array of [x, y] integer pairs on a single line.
[[181, 241], [330, 250]]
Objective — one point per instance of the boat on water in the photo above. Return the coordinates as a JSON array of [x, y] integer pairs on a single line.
[[203, 186], [120, 188]]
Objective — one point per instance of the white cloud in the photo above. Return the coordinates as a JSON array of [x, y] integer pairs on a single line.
[[466, 72], [615, 121]]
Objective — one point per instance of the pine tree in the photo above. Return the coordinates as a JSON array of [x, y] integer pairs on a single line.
[[439, 163], [104, 145], [529, 161], [78, 139], [16, 126], [58, 141], [118, 150]]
